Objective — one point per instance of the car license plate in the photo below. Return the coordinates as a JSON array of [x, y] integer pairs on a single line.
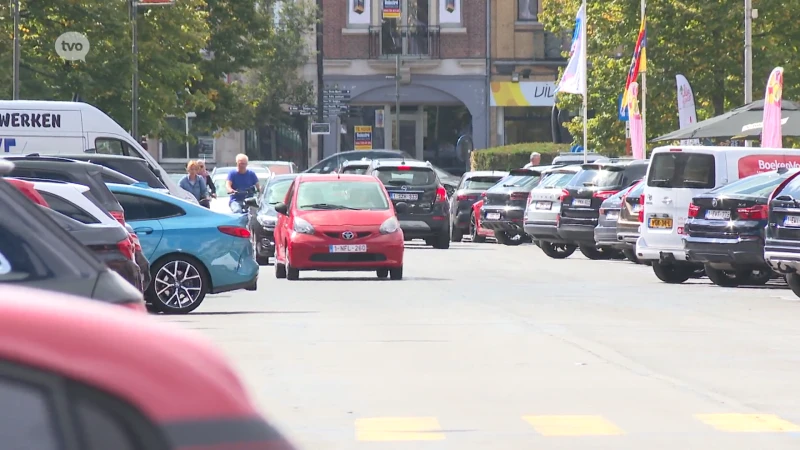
[[716, 214], [401, 196], [493, 216], [543, 205], [612, 215], [357, 248], [582, 202], [792, 221], [660, 223]]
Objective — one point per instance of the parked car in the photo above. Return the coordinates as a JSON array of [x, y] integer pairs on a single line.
[[540, 221], [93, 227], [504, 205], [415, 183], [726, 227], [468, 191], [76, 374], [580, 204], [339, 222], [141, 260], [675, 176], [605, 233], [276, 167], [336, 161], [263, 227], [36, 252], [570, 158], [136, 168], [49, 168], [630, 220], [358, 167], [782, 243], [192, 251]]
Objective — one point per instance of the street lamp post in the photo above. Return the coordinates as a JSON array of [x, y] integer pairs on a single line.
[[321, 83], [15, 94], [748, 56], [397, 78], [135, 77]]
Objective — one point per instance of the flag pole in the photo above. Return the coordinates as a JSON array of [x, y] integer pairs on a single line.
[[584, 33], [644, 91]]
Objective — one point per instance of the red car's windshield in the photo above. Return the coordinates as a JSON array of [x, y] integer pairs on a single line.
[[341, 195]]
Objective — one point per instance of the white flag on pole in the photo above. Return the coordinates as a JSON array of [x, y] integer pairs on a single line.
[[687, 115], [573, 79]]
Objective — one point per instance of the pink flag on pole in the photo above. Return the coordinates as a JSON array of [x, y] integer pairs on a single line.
[[635, 118], [771, 136]]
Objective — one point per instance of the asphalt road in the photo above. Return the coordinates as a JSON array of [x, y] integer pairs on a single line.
[[501, 348]]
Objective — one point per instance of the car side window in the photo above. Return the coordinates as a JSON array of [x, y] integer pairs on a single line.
[[134, 210], [68, 208], [31, 425], [106, 422], [156, 209], [109, 146]]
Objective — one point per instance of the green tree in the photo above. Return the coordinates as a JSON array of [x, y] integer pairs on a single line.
[[170, 40], [702, 40]]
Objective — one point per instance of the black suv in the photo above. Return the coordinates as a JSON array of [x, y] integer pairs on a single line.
[[35, 167], [416, 184], [582, 197], [36, 252], [136, 168]]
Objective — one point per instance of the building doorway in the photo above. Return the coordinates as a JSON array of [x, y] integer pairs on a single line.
[[412, 130]]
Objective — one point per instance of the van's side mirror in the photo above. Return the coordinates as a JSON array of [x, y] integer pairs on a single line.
[[251, 202], [401, 207], [281, 208]]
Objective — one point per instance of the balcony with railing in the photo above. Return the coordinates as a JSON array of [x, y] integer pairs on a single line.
[[411, 41]]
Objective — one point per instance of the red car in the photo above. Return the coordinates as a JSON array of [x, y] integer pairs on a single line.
[[77, 374], [478, 233], [338, 222]]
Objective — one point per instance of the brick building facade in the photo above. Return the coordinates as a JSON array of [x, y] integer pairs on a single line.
[[443, 89]]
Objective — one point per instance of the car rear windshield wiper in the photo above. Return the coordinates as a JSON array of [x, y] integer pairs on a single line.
[[327, 206], [659, 183], [398, 183], [694, 183]]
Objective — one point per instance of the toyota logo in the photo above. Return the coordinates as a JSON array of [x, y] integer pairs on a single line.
[[405, 188], [347, 235]]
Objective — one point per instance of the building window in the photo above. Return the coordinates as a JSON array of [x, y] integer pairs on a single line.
[[528, 124], [359, 13], [528, 10], [201, 148]]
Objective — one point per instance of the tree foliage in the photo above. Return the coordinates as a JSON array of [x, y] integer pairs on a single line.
[[704, 41], [185, 51]]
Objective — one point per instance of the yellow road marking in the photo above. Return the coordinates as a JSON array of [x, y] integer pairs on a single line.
[[748, 423], [399, 429], [572, 426]]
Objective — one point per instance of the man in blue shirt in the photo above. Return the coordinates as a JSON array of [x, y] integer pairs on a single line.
[[241, 179]]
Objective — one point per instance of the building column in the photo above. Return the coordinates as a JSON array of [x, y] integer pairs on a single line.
[[388, 128], [479, 131], [419, 134]]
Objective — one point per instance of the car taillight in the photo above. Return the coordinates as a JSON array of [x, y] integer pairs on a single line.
[[463, 197], [693, 210], [564, 195], [235, 231], [137, 246], [441, 194], [641, 208], [403, 167], [757, 212], [530, 198], [125, 247], [119, 217], [519, 195], [604, 194]]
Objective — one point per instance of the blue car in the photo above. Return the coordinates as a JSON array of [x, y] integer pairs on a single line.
[[192, 251]]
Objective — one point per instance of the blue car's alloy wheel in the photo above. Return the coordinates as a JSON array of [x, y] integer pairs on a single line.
[[178, 287]]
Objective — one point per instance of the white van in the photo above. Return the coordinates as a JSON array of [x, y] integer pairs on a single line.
[[677, 174], [51, 128]]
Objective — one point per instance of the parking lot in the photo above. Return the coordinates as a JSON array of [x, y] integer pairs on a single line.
[[489, 346]]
